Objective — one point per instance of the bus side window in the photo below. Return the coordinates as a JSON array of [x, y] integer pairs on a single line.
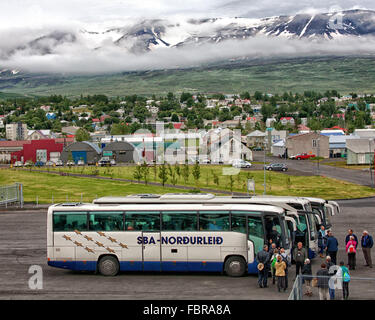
[[106, 221], [179, 221], [238, 223], [63, 221], [256, 232], [214, 221], [142, 220]]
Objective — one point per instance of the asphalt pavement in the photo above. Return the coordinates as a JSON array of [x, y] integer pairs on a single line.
[[23, 244], [306, 167]]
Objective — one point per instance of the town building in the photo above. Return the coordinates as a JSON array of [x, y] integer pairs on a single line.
[[121, 152], [89, 152], [39, 150], [310, 143], [360, 151], [256, 139], [16, 131]]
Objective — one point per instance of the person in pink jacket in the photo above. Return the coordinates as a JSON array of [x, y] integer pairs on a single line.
[[351, 251]]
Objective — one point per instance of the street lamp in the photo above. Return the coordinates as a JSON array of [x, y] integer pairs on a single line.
[[369, 161]]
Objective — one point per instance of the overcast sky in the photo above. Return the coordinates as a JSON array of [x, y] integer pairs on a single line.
[[40, 13]]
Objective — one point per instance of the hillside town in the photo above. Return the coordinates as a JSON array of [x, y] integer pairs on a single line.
[[134, 128]]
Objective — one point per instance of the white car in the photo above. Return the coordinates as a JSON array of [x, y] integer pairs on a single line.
[[113, 162], [80, 163], [239, 163], [18, 164], [59, 163]]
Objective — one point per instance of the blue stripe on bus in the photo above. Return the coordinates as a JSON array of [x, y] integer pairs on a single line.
[[209, 266], [252, 268]]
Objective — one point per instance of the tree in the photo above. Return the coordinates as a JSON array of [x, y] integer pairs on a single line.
[[185, 172], [138, 173], [163, 174], [196, 173], [82, 135], [145, 172], [175, 118]]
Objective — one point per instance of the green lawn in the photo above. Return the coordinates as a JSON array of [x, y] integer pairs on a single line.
[[45, 185], [277, 183]]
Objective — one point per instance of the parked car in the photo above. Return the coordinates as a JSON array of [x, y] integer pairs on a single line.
[[104, 162], [70, 163], [50, 163], [204, 161], [39, 164], [239, 163], [18, 164], [80, 163], [59, 163], [28, 163], [217, 161], [113, 162], [276, 167], [257, 149], [302, 156]]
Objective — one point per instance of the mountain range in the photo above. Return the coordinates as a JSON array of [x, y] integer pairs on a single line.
[[148, 35]]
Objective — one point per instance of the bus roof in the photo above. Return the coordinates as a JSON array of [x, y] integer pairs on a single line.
[[166, 206], [200, 198]]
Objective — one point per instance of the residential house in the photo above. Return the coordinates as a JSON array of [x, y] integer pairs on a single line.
[[40, 135], [256, 139], [310, 143], [270, 122], [287, 120], [360, 151]]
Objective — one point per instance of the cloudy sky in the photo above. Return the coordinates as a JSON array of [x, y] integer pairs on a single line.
[[40, 13], [22, 21]]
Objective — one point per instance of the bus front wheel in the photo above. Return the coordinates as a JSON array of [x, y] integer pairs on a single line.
[[108, 266], [235, 266]]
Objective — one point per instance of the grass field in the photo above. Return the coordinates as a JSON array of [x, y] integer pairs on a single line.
[[62, 188], [277, 183], [297, 75]]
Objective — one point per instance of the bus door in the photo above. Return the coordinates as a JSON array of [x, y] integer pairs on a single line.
[[149, 223], [151, 248], [292, 228]]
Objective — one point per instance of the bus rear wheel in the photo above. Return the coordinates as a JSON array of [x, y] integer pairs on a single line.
[[108, 266], [235, 266]]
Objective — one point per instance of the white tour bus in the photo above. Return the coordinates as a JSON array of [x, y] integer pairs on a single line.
[[324, 209], [299, 219], [161, 236]]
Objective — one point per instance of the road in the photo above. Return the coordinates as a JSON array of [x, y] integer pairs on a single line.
[[23, 244], [306, 167]]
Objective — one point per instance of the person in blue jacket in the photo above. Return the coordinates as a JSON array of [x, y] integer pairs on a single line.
[[332, 246], [367, 243]]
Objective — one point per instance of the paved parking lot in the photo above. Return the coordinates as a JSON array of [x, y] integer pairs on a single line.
[[23, 243]]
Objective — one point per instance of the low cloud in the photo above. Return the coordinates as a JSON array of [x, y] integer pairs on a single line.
[[77, 57]]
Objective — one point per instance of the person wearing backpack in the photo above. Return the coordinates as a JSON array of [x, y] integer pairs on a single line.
[[345, 280], [273, 261], [351, 251]]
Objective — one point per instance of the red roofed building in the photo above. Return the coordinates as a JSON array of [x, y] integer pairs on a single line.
[[287, 120]]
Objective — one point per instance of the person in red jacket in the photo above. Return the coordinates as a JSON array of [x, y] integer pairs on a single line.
[[351, 251]]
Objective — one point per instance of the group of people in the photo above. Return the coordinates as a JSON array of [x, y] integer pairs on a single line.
[[275, 260], [330, 276]]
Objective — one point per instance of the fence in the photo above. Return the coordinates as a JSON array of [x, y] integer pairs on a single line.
[[11, 194], [358, 288]]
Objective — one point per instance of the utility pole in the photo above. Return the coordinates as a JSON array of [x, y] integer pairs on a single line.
[[318, 141], [264, 169], [369, 160]]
